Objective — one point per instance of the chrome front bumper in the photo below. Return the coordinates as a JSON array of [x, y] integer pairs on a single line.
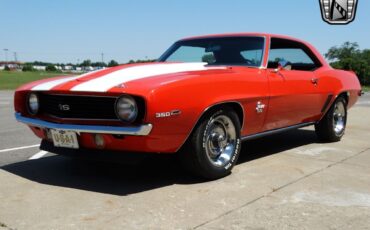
[[142, 130]]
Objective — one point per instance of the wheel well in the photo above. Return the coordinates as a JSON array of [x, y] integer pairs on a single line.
[[236, 106], [344, 95]]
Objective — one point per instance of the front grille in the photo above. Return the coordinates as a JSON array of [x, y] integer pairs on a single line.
[[80, 107]]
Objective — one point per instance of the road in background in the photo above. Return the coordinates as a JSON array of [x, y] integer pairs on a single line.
[[14, 134]]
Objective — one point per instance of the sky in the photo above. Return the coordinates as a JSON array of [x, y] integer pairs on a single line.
[[75, 30]]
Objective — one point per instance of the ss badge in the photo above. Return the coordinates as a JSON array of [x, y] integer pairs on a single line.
[[64, 107]]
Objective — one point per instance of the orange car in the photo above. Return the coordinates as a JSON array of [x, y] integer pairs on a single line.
[[203, 97]]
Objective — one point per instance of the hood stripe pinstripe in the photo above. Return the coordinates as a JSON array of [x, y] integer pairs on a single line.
[[106, 82], [103, 80]]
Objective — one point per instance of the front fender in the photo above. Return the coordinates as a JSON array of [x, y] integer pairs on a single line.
[[193, 98]]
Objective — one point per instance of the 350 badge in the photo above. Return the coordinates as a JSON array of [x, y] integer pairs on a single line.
[[168, 114]]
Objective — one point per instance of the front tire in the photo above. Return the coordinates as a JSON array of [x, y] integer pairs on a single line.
[[332, 126], [213, 148]]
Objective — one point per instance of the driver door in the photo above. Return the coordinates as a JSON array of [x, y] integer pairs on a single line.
[[294, 97]]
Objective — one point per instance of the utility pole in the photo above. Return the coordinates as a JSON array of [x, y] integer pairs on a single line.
[[15, 57], [102, 59], [6, 56]]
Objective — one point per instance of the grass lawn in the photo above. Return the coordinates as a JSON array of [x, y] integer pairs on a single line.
[[13, 79], [366, 88]]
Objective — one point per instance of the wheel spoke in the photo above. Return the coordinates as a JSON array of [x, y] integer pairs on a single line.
[[221, 141], [339, 117]]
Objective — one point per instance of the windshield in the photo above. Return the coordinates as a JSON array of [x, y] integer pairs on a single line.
[[245, 51]]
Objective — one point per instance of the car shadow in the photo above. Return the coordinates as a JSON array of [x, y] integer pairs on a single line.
[[258, 148], [153, 172]]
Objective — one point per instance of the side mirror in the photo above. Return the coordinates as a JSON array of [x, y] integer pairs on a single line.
[[283, 65]]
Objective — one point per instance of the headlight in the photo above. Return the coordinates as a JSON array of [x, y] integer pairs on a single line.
[[33, 103], [126, 108]]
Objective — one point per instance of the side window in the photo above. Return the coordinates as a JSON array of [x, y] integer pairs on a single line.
[[290, 55], [296, 54]]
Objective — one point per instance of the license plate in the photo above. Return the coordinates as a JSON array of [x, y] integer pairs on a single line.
[[66, 139]]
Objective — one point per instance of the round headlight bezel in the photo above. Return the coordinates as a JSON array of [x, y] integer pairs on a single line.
[[35, 101], [131, 101]]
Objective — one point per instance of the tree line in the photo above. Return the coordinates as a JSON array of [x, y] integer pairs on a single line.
[[52, 67], [350, 57]]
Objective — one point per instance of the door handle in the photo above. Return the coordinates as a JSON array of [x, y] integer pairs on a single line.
[[315, 81]]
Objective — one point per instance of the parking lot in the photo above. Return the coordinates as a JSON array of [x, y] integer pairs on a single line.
[[285, 181]]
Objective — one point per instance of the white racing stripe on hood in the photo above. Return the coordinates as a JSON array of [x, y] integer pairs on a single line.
[[106, 82], [51, 84]]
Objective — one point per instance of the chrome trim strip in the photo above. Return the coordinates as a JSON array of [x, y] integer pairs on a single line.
[[268, 54], [263, 52], [75, 95], [81, 119], [142, 130], [275, 131]]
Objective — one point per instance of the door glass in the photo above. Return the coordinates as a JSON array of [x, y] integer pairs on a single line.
[[296, 57]]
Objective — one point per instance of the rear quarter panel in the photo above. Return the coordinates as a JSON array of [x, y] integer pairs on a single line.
[[336, 82]]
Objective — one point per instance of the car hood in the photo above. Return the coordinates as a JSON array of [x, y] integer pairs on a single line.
[[127, 77]]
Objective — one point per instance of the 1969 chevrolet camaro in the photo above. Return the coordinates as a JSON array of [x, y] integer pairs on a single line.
[[203, 97]]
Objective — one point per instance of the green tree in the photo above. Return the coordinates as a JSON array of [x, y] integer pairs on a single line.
[[51, 68], [28, 68], [6, 68], [112, 63], [347, 50], [349, 57], [141, 61], [86, 63], [98, 64]]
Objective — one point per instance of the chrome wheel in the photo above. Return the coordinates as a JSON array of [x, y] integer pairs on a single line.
[[220, 140], [332, 126], [339, 117]]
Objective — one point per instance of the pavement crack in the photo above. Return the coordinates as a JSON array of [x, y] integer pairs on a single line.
[[355, 155], [356, 165], [279, 188]]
